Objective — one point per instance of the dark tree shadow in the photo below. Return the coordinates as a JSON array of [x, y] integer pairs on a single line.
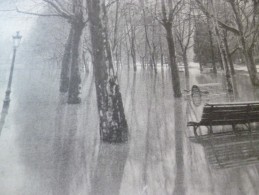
[[71, 154], [64, 147], [228, 150], [109, 170], [133, 101], [235, 89], [179, 129]]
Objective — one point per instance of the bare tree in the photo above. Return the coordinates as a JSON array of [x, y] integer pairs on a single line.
[[77, 24], [248, 33], [131, 32], [210, 30], [246, 28], [183, 31], [169, 11], [75, 13], [222, 48], [212, 14], [150, 43], [113, 125]]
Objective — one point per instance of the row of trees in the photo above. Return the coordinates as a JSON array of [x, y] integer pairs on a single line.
[[146, 32], [91, 13], [234, 27]]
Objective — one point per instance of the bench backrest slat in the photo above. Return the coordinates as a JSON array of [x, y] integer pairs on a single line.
[[230, 112]]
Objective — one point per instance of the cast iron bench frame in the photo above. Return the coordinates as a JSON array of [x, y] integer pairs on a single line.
[[219, 114]]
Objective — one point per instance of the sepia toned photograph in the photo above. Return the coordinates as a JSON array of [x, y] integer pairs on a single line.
[[129, 97]]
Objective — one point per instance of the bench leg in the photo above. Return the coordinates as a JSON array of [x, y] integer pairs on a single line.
[[234, 127], [195, 130], [210, 129], [249, 127], [235, 130]]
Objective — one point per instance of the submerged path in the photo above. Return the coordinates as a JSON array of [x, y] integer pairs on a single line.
[[49, 147]]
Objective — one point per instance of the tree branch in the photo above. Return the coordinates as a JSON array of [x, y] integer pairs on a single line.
[[37, 14], [58, 9], [223, 25]]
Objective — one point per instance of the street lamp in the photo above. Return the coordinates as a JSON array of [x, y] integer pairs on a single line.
[[16, 42]]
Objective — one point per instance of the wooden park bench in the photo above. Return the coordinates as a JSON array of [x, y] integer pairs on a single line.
[[218, 114]]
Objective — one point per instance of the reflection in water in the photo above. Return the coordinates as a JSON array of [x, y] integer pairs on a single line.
[[167, 130], [208, 78], [191, 112], [72, 161], [62, 156], [179, 126], [235, 89], [148, 143], [196, 100], [64, 147], [133, 102], [56, 145], [3, 115], [227, 150], [109, 169]]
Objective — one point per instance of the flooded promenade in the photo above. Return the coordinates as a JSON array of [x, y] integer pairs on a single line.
[[48, 147]]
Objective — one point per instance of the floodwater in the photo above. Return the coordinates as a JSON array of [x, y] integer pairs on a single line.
[[50, 147]]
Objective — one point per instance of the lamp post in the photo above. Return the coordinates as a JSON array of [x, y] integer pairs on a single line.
[[16, 42]]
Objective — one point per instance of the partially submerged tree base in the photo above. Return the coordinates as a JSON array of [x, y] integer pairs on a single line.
[[64, 84], [76, 100], [113, 137], [66, 63], [113, 124]]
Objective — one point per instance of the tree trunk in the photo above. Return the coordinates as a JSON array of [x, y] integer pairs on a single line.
[[162, 60], [127, 51], [231, 65], [153, 57], [248, 55], [75, 80], [249, 59], [107, 41], [221, 48], [211, 48], [65, 66], [151, 52], [115, 32], [132, 41], [172, 58], [200, 61], [142, 59], [133, 54], [133, 47], [251, 67], [86, 63], [113, 125], [224, 61], [220, 60], [186, 66], [161, 50]]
